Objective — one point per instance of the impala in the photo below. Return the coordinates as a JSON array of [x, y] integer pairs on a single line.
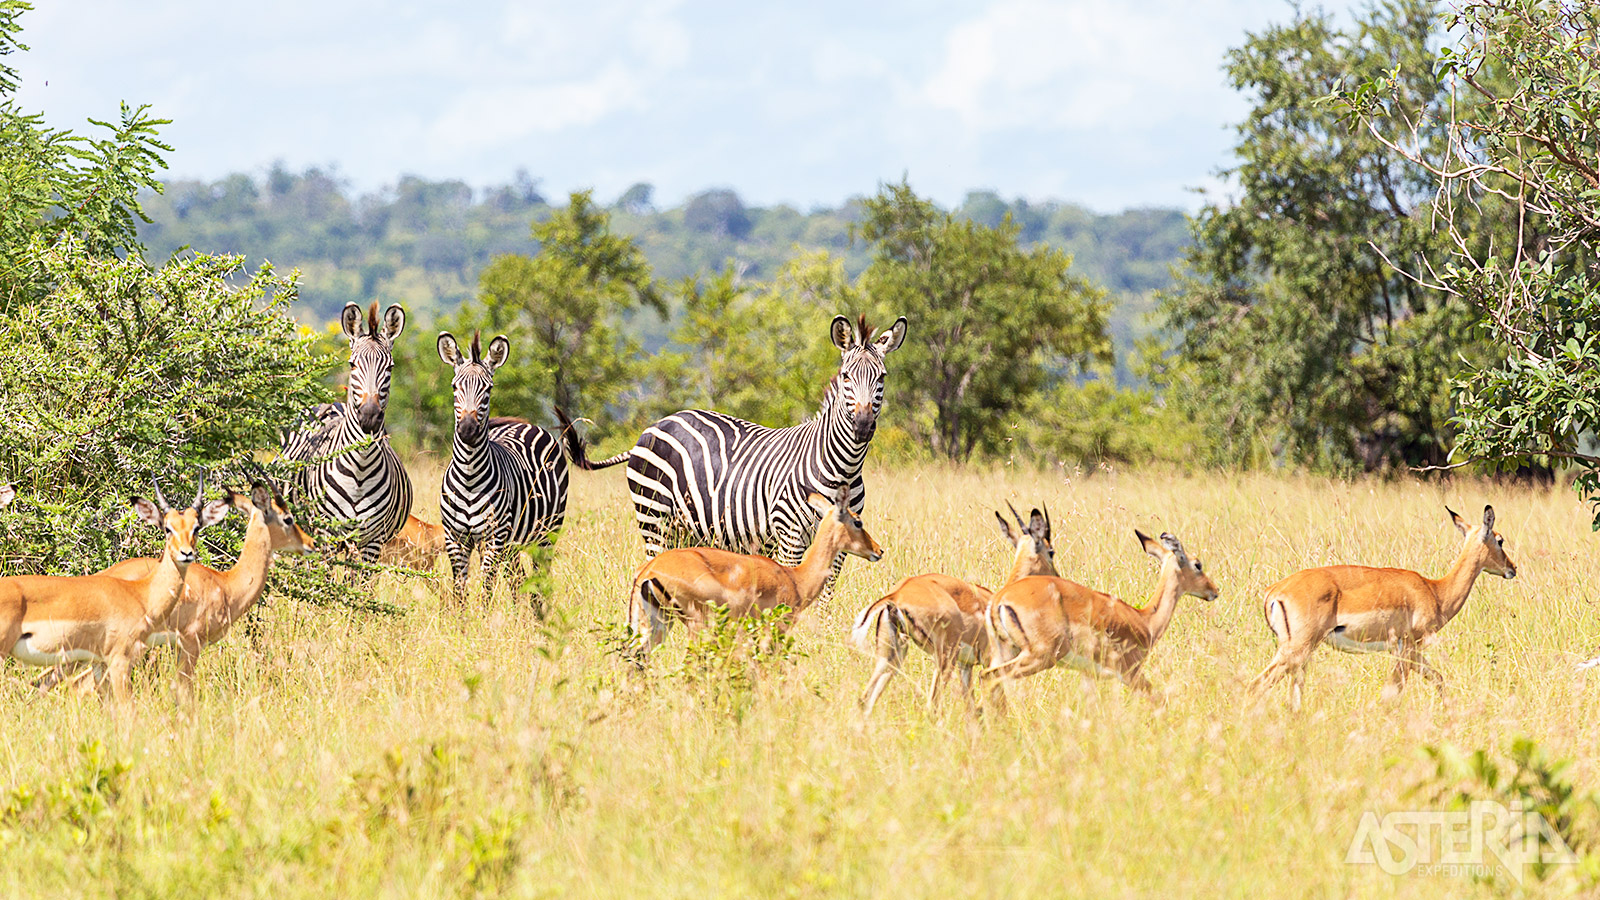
[[692, 583], [1036, 623], [1360, 609], [417, 546], [944, 615], [48, 620], [8, 493], [213, 601]]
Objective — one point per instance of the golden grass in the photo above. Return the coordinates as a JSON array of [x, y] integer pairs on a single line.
[[476, 749]]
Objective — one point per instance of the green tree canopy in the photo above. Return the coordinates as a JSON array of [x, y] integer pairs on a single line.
[[562, 309], [991, 322], [1525, 135], [1297, 341]]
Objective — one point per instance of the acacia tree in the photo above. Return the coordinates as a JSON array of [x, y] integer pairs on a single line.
[[992, 321], [1299, 343], [1523, 134], [562, 309]]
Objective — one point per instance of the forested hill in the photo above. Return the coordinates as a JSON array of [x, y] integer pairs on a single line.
[[423, 243]]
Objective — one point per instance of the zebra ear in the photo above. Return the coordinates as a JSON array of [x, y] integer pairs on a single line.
[[499, 352], [350, 321], [448, 351], [890, 340], [394, 321], [844, 336]]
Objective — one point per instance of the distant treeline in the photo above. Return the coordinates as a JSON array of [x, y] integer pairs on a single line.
[[424, 243]]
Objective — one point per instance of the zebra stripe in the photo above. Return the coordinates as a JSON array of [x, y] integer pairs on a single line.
[[367, 484], [705, 478], [506, 484]]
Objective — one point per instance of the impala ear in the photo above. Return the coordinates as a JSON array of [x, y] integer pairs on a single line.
[[350, 321], [820, 503], [8, 493], [844, 336], [1488, 524], [892, 338], [147, 512], [1460, 523], [499, 352], [261, 497], [1149, 544], [1006, 529], [212, 513], [394, 321], [1170, 541], [449, 351], [1037, 525]]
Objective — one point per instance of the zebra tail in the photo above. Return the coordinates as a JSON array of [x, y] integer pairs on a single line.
[[577, 453]]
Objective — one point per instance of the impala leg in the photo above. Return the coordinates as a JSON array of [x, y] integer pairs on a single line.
[[646, 619], [188, 656], [1401, 651], [890, 650], [119, 672]]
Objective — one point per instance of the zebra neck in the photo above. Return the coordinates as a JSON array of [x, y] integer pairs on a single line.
[[350, 434], [469, 456], [841, 452]]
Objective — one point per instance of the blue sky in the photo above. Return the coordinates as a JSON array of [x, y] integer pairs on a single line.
[[1107, 104]]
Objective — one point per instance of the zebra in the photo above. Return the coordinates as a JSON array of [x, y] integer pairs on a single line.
[[507, 480], [701, 477], [367, 484]]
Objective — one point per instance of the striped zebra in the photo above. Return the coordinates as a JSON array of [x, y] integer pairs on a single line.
[[705, 478], [367, 485], [506, 484]]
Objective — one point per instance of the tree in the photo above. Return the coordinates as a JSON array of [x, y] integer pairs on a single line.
[[53, 181], [562, 309], [760, 352], [717, 212], [1298, 342], [991, 323], [115, 371], [1524, 133]]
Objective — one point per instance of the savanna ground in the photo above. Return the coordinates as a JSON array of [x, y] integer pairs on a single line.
[[478, 749]]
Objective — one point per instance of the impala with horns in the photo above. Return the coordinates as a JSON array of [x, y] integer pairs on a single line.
[[692, 583], [1360, 609], [945, 616], [212, 600], [1037, 623], [47, 620]]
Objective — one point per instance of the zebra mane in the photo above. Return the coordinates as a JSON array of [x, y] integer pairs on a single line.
[[507, 420], [477, 346], [372, 320], [863, 330]]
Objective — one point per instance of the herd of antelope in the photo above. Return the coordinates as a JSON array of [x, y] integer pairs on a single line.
[[1035, 621]]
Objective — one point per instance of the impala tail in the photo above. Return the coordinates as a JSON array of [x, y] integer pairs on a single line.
[[578, 452], [868, 623]]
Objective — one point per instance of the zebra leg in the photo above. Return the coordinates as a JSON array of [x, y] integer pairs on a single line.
[[460, 557], [492, 548]]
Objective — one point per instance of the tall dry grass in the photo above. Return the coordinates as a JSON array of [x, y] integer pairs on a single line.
[[476, 749]]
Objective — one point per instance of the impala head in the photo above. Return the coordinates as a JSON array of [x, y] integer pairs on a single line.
[[858, 386], [371, 360], [1035, 555], [1495, 559], [851, 535], [285, 533], [1192, 578], [8, 493], [473, 381], [181, 525]]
